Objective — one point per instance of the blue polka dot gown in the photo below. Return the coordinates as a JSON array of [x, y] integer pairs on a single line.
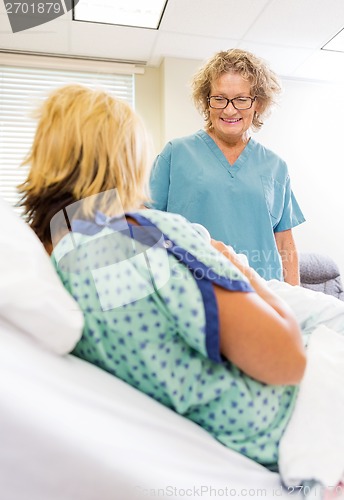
[[151, 319]]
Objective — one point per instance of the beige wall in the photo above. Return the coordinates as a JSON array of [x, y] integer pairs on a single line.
[[163, 100], [180, 117], [148, 98]]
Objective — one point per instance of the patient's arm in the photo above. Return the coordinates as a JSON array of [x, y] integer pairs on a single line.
[[258, 332]]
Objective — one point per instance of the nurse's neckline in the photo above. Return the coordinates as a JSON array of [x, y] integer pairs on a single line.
[[231, 152]]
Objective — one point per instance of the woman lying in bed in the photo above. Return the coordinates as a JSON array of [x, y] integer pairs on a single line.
[[173, 315]]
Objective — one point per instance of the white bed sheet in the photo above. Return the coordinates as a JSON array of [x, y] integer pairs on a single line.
[[70, 431]]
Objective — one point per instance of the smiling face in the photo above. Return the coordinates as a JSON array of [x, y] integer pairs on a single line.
[[230, 125]]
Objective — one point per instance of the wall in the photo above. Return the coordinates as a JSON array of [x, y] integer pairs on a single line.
[[148, 100], [180, 117], [306, 129], [163, 100]]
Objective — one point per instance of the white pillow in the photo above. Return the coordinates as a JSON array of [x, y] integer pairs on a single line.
[[32, 297]]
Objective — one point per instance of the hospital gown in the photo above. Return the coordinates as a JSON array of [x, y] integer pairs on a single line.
[[151, 319]]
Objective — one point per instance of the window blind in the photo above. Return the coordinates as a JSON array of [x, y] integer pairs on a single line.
[[22, 89]]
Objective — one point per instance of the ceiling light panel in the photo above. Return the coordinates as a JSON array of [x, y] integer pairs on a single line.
[[134, 13]]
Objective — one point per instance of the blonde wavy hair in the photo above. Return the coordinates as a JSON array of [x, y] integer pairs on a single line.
[[264, 82], [87, 142]]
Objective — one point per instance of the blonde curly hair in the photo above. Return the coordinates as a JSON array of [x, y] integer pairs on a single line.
[[264, 82]]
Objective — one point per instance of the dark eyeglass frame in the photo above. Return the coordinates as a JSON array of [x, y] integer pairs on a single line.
[[231, 101]]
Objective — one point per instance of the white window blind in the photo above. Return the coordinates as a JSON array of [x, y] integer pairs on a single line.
[[22, 89]]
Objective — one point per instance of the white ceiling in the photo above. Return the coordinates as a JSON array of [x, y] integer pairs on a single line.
[[289, 34]]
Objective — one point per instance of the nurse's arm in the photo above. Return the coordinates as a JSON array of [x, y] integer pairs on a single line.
[[160, 183], [289, 256]]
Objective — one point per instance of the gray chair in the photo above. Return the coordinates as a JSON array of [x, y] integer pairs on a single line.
[[319, 272]]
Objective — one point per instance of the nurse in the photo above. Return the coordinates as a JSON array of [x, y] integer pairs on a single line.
[[223, 179]]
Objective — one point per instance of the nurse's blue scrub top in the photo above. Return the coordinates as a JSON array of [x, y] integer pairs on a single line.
[[242, 204]]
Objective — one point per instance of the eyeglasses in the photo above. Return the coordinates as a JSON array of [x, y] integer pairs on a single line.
[[219, 102]]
